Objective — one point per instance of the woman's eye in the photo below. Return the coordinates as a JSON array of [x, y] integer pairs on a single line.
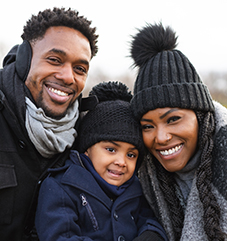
[[146, 127], [173, 119]]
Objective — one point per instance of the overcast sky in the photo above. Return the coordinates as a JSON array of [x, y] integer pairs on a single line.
[[200, 25]]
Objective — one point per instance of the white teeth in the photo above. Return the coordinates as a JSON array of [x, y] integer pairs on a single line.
[[58, 92], [170, 151]]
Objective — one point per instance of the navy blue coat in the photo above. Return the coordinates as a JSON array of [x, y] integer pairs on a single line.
[[72, 206]]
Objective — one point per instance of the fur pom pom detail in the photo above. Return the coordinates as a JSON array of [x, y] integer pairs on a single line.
[[111, 90], [151, 40]]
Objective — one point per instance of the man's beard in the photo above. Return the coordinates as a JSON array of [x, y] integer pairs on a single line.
[[49, 112]]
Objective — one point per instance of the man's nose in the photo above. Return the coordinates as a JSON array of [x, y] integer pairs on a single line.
[[66, 74]]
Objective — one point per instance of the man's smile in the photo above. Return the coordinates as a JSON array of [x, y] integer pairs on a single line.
[[58, 92]]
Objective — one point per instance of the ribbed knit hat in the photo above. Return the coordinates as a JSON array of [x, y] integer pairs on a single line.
[[166, 78], [111, 119]]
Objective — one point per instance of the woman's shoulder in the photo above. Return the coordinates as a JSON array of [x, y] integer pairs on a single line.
[[220, 116], [219, 164]]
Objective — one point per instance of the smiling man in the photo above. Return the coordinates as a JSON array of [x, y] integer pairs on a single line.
[[40, 87], [59, 68]]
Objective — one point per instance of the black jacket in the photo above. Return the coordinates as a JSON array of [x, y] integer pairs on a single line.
[[21, 166]]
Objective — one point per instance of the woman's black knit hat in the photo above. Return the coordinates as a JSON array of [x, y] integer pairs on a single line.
[[111, 119], [166, 77]]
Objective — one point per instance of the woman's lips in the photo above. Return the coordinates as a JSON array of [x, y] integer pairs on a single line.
[[171, 151]]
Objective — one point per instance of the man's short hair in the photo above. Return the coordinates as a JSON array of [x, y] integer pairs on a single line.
[[37, 25]]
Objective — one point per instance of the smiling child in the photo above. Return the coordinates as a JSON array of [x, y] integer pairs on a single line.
[[96, 195]]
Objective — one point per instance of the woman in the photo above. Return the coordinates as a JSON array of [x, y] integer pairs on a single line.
[[184, 174]]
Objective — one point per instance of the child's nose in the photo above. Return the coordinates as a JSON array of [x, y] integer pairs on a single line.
[[121, 161]]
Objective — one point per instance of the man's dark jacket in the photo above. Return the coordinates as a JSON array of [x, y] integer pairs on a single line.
[[21, 166]]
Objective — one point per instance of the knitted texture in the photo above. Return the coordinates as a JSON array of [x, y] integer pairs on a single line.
[[111, 120], [166, 77]]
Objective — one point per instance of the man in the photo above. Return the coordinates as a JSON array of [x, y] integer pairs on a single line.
[[40, 88]]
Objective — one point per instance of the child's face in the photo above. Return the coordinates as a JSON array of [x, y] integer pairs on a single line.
[[114, 161]]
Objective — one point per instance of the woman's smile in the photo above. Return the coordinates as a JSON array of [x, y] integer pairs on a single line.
[[171, 151]]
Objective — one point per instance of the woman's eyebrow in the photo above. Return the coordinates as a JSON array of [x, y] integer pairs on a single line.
[[146, 120], [168, 112]]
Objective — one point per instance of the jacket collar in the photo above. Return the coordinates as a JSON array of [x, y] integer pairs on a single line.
[[85, 181]]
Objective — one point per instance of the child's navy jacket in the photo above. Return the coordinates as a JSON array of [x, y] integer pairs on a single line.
[[72, 206]]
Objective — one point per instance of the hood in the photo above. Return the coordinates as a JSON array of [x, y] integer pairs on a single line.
[[22, 56]]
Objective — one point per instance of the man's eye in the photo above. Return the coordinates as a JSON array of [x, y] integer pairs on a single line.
[[54, 60], [173, 119], [80, 70]]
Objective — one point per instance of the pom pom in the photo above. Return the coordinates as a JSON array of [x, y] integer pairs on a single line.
[[151, 40], [111, 91]]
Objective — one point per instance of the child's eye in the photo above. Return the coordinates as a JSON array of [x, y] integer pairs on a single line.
[[173, 119], [110, 149], [131, 155]]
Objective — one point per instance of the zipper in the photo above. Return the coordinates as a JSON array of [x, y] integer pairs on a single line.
[[86, 204]]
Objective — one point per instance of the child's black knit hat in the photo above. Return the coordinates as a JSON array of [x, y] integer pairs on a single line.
[[111, 119], [166, 77]]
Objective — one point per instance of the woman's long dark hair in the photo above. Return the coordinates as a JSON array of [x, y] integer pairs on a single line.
[[211, 208]]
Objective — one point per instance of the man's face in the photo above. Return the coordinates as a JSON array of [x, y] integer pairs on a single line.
[[59, 69]]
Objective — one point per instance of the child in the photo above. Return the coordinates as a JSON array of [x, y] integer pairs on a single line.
[[96, 195]]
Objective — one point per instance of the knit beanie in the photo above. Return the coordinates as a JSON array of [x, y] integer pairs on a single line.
[[111, 119], [166, 78]]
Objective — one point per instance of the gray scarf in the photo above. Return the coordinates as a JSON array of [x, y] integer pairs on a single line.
[[185, 176], [50, 136]]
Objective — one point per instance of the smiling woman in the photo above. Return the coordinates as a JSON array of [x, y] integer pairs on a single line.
[[170, 134], [183, 130]]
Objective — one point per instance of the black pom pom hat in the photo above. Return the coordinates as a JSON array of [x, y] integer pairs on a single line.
[[111, 119], [166, 78]]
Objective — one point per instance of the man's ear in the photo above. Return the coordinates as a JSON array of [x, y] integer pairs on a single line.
[[23, 59], [86, 153]]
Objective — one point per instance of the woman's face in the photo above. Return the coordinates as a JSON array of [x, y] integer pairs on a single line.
[[171, 135]]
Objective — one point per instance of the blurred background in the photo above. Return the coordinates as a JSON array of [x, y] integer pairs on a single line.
[[199, 24]]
